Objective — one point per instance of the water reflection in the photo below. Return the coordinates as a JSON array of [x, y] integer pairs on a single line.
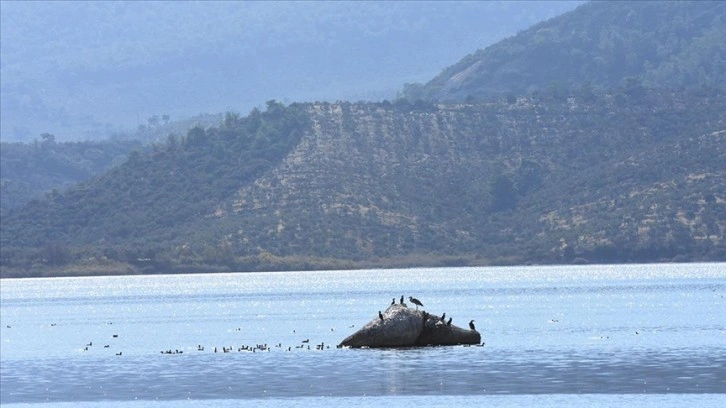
[[347, 373]]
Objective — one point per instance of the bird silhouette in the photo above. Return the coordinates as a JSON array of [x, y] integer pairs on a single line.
[[471, 325], [380, 315], [449, 322], [415, 301]]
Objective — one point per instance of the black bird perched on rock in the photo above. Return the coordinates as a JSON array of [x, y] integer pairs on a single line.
[[443, 316], [393, 302], [471, 325], [449, 322], [380, 315], [401, 299], [415, 301]]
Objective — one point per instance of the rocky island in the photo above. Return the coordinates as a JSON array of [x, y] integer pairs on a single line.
[[401, 326]]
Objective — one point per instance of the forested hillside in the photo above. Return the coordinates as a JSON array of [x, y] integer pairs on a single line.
[[664, 44], [609, 178], [28, 170], [597, 136]]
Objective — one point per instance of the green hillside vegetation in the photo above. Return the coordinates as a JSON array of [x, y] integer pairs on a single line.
[[631, 176], [28, 170], [535, 153], [153, 195], [667, 44]]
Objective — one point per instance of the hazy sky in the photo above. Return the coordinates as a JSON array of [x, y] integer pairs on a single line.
[[84, 69]]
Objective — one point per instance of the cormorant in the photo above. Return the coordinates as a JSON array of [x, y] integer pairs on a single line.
[[380, 315], [471, 325], [401, 299], [449, 322], [443, 316], [415, 301], [393, 302]]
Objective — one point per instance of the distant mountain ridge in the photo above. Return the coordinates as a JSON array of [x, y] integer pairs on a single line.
[[668, 44], [84, 70]]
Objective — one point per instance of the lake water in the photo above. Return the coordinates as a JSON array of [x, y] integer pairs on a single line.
[[554, 336]]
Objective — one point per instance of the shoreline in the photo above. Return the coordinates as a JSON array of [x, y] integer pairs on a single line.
[[122, 269]]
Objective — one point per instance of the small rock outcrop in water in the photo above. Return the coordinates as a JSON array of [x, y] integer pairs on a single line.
[[402, 326]]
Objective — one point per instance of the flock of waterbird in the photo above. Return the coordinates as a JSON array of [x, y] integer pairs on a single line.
[[264, 347], [425, 314], [89, 346], [304, 344]]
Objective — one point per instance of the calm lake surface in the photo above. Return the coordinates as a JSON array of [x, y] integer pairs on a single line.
[[558, 336]]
